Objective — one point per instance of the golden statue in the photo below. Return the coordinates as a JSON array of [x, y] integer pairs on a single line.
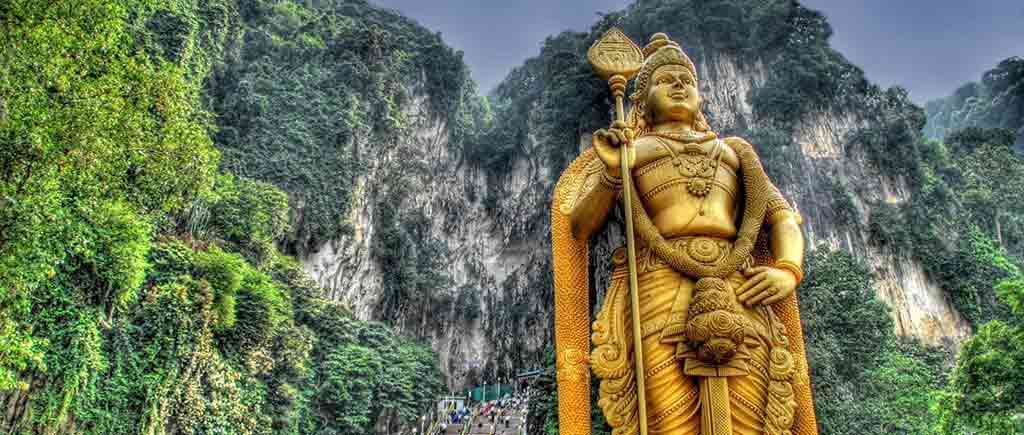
[[699, 331]]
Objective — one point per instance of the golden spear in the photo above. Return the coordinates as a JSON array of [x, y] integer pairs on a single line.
[[617, 59]]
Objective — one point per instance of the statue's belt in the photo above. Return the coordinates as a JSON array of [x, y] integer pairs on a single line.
[[700, 249]]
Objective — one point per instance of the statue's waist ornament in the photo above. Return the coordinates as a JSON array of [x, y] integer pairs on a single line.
[[700, 249]]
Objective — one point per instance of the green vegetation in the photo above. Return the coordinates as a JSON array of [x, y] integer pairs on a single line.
[[142, 291], [314, 90], [995, 102], [414, 261], [986, 389], [865, 379], [981, 216]]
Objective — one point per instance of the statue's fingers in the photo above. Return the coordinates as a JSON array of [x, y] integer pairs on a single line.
[[621, 136], [745, 290], [749, 283], [743, 287], [613, 138], [753, 270], [619, 125], [775, 298], [758, 293], [602, 144]]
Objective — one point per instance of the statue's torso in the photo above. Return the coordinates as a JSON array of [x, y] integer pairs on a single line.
[[666, 186]]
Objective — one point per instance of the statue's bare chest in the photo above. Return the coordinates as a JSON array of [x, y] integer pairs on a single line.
[[689, 189], [688, 170]]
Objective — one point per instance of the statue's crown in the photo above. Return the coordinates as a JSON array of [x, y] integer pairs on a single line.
[[660, 51]]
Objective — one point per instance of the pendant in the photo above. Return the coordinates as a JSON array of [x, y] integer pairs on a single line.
[[698, 187]]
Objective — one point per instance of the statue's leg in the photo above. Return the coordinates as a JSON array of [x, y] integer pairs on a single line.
[[673, 403], [748, 395], [672, 398]]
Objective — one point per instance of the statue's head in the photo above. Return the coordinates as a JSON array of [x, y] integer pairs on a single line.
[[666, 87]]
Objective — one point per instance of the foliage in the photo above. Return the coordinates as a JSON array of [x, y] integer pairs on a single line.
[[405, 248], [314, 88], [223, 271], [367, 372], [986, 388], [141, 290], [808, 75], [350, 381], [986, 391], [892, 141], [865, 380], [981, 216], [995, 102], [250, 214], [99, 142]]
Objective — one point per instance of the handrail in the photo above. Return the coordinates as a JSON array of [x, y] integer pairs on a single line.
[[469, 423], [441, 416]]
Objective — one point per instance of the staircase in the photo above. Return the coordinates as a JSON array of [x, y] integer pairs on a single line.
[[515, 421], [477, 424], [481, 428]]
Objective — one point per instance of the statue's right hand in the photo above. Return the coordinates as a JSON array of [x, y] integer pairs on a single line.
[[606, 144]]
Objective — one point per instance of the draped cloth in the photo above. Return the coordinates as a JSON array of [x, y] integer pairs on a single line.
[[676, 408]]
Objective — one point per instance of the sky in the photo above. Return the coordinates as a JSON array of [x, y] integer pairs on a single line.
[[930, 47]]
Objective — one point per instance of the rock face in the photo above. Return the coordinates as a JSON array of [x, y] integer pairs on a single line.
[[508, 277], [499, 249], [995, 101]]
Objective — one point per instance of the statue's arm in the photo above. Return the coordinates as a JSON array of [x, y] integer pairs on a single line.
[[785, 238], [595, 200], [770, 284]]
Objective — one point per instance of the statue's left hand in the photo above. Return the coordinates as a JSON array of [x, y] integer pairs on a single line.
[[765, 285]]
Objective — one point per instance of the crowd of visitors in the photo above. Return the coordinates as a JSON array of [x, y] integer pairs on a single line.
[[493, 413]]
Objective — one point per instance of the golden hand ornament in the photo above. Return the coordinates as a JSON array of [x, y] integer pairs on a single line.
[[766, 285]]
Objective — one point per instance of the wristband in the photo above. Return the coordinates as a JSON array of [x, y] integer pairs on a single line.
[[791, 267]]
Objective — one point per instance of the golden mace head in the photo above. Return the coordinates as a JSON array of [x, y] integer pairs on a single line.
[[615, 58]]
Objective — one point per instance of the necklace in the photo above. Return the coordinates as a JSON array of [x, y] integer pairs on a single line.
[[687, 137], [698, 167]]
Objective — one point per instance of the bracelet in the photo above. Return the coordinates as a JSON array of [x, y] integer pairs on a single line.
[[610, 181], [791, 267]]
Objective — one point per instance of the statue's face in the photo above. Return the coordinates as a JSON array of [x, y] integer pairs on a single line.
[[672, 95]]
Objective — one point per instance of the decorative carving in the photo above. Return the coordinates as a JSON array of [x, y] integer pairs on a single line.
[[615, 54], [715, 329], [573, 365]]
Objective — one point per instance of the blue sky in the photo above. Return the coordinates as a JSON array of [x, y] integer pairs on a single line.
[[929, 47]]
